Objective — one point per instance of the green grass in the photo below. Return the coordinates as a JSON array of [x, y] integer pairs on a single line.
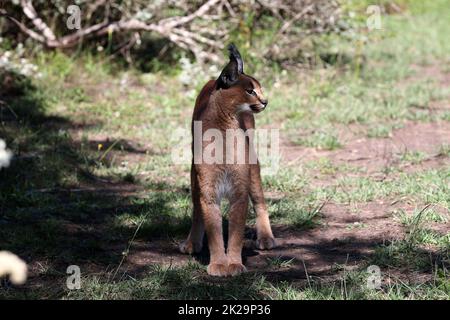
[[320, 140], [410, 253], [418, 231], [444, 150], [189, 281], [413, 157], [280, 262], [299, 214], [429, 186]]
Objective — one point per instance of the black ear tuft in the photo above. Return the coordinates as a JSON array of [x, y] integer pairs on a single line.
[[231, 72], [236, 56]]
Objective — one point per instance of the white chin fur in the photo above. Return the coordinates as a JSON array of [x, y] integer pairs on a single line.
[[245, 107]]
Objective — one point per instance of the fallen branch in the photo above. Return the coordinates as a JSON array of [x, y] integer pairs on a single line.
[[176, 29]]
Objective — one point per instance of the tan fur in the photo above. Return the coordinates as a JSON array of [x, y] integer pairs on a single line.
[[223, 109]]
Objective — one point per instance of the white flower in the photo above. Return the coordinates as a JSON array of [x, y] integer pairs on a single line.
[[12, 265], [13, 61], [5, 155]]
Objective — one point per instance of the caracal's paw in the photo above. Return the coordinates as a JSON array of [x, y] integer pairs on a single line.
[[218, 270], [225, 270], [236, 268], [189, 247], [265, 243]]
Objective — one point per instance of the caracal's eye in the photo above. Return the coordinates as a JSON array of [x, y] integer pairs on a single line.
[[251, 92]]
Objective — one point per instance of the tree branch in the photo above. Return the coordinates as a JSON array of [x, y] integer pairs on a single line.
[[174, 28], [30, 12]]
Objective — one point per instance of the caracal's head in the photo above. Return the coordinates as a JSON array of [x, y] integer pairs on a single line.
[[241, 92]]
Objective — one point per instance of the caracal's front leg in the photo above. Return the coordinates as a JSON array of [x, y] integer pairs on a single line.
[[212, 219], [265, 239], [236, 228]]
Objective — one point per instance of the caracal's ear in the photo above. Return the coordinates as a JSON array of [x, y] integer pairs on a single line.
[[230, 73]]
